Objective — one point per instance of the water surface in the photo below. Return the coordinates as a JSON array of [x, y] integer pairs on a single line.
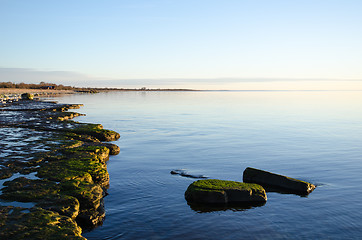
[[312, 135]]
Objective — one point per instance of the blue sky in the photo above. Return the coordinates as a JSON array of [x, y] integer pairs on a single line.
[[181, 43]]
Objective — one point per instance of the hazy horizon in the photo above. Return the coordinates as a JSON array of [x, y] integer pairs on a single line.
[[79, 80]]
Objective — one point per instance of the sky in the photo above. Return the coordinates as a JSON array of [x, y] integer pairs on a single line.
[[207, 44]]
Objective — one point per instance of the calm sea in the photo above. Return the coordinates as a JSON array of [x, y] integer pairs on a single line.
[[311, 135]]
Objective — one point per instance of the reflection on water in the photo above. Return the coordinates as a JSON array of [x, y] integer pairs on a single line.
[[313, 136]]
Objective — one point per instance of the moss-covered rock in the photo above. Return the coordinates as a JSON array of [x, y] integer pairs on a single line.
[[88, 194], [36, 223], [77, 163], [90, 197], [47, 194], [73, 173], [113, 148], [97, 131], [62, 204], [75, 169], [214, 191], [70, 198], [63, 116], [27, 190], [5, 173], [27, 96]]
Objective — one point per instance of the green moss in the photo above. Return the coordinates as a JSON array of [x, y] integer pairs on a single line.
[[213, 191], [97, 152], [73, 172], [26, 190], [63, 204], [66, 198], [221, 185], [96, 130], [74, 168], [71, 136], [63, 116], [19, 223], [88, 194], [85, 163], [27, 96]]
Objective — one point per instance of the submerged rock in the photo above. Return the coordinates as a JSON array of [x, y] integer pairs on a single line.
[[183, 173], [253, 175], [214, 191]]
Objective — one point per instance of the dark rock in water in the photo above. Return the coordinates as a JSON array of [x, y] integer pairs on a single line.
[[252, 175], [27, 96], [183, 173], [214, 191]]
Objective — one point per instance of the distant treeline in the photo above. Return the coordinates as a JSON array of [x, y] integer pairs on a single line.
[[41, 85], [44, 85]]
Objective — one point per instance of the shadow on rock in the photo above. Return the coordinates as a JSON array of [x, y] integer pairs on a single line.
[[274, 189], [235, 207]]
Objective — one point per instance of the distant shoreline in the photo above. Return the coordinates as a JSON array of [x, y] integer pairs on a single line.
[[27, 90], [80, 90]]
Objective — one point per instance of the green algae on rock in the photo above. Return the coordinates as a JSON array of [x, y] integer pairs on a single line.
[[71, 167], [95, 130], [27, 96], [79, 165], [36, 223], [214, 191]]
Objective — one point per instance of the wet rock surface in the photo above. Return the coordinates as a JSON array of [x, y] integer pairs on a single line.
[[184, 173], [36, 223], [268, 179], [62, 169]]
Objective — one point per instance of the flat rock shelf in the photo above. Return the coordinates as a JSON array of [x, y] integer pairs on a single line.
[[55, 165]]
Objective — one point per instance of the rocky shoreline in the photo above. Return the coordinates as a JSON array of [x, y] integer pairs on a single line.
[[10, 95], [52, 170]]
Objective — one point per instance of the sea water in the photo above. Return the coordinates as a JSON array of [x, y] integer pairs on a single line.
[[315, 136]]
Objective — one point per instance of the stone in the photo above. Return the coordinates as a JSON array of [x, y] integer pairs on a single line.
[[62, 204], [36, 223], [27, 96], [183, 173], [214, 191], [97, 131], [113, 148], [73, 172], [264, 178]]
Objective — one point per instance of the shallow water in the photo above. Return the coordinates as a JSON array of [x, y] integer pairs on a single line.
[[314, 136]]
